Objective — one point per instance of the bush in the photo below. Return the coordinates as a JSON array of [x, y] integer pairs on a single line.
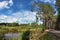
[[26, 35]]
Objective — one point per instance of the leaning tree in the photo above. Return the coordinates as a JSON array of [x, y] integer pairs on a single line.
[[45, 12], [57, 27], [48, 14]]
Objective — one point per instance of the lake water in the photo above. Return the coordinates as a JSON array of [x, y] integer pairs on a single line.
[[12, 35]]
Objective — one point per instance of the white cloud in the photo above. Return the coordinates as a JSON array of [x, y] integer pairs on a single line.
[[20, 16], [29, 13], [25, 15], [11, 2], [50, 1], [5, 18], [4, 4], [11, 19], [54, 2]]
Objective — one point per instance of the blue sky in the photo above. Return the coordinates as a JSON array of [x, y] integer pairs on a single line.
[[18, 10]]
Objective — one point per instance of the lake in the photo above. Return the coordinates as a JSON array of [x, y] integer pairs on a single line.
[[12, 35]]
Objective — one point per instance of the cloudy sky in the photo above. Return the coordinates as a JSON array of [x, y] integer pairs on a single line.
[[18, 10]]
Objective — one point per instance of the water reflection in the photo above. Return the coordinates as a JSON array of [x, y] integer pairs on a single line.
[[12, 35]]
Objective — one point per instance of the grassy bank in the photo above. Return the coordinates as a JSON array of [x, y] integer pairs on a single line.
[[23, 29], [18, 29]]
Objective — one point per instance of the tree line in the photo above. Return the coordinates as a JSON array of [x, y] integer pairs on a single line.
[[9, 24]]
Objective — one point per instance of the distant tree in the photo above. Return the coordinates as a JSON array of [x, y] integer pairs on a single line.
[[14, 24]]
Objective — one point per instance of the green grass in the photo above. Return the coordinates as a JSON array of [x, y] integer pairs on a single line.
[[20, 29]]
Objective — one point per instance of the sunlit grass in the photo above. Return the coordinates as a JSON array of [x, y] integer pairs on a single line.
[[19, 29]]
